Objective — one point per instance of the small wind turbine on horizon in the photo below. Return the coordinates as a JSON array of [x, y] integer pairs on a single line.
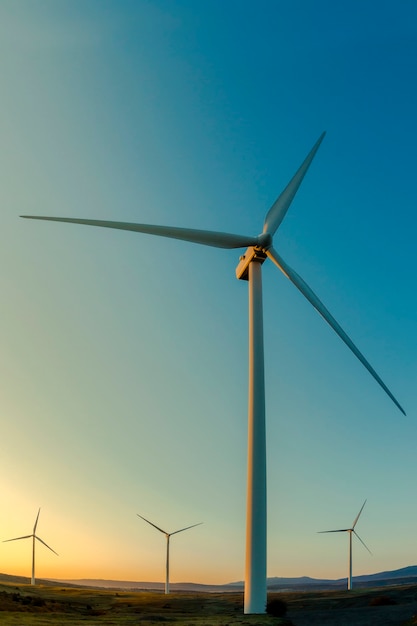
[[168, 536], [34, 536], [351, 532], [259, 248]]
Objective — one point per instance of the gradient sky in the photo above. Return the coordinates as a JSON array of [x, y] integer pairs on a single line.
[[124, 357]]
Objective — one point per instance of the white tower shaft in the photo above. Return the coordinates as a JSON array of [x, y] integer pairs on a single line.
[[350, 561], [167, 568], [32, 582], [255, 574]]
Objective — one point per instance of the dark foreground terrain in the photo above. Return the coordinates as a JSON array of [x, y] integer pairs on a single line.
[[46, 605]]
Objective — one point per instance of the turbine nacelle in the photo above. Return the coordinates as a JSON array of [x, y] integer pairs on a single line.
[[252, 254]]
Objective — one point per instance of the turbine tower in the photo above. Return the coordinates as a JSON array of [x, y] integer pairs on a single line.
[[249, 268], [34, 536], [168, 536], [351, 532]]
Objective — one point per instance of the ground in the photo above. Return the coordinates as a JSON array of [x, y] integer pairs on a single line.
[[388, 606], [48, 605]]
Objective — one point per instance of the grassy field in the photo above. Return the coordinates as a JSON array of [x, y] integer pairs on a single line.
[[47, 605], [40, 605]]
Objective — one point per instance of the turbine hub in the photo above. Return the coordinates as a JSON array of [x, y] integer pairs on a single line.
[[264, 241]]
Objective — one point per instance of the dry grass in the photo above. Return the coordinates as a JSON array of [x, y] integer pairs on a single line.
[[45, 605], [24, 605]]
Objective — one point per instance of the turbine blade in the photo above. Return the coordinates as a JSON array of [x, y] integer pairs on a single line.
[[357, 517], [341, 530], [36, 521], [187, 528], [152, 524], [17, 538], [319, 306], [203, 237], [45, 544], [363, 543], [281, 205]]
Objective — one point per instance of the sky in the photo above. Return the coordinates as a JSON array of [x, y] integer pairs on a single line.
[[123, 357]]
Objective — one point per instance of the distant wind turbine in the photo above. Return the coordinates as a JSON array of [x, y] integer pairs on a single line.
[[351, 532], [250, 269], [34, 536], [168, 536]]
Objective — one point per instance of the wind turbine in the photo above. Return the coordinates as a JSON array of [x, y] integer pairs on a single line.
[[34, 536], [168, 536], [351, 532], [250, 268]]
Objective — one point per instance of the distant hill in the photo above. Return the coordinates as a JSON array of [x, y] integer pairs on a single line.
[[395, 577], [145, 586], [23, 580], [404, 572], [401, 576]]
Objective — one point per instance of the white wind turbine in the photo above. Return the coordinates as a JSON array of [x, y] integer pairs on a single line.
[[168, 536], [259, 248], [351, 532], [33, 536]]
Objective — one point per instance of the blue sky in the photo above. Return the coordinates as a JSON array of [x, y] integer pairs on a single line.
[[124, 358]]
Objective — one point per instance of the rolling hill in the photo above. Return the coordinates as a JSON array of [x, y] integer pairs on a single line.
[[405, 575]]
